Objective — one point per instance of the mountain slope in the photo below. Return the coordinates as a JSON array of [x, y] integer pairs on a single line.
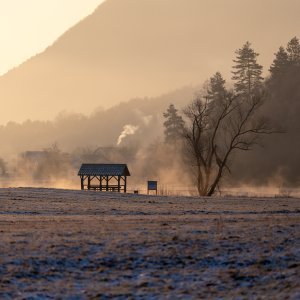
[[130, 48]]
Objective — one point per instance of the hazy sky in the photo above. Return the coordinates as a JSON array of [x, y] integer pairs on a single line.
[[127, 49], [27, 27]]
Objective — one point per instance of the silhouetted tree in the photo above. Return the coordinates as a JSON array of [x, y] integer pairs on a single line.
[[279, 155], [280, 64], [174, 125], [216, 129], [247, 74], [293, 50], [216, 87], [286, 61]]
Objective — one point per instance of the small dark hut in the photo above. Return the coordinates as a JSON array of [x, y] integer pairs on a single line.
[[104, 177]]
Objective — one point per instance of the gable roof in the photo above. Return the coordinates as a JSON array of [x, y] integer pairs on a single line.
[[104, 170]]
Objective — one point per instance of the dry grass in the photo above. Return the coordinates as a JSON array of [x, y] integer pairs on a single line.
[[83, 245]]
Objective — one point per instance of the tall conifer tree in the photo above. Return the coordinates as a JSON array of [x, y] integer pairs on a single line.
[[216, 89], [247, 72], [174, 125], [280, 63], [293, 50]]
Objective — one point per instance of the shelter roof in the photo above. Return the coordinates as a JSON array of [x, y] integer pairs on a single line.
[[104, 170]]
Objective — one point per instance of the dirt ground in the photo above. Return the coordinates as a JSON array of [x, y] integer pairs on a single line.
[[64, 244]]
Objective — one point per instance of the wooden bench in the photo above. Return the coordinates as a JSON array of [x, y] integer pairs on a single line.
[[110, 188]]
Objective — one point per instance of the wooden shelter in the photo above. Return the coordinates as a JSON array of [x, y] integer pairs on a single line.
[[104, 177]]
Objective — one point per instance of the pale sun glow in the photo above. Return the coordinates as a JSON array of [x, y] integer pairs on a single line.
[[28, 27]]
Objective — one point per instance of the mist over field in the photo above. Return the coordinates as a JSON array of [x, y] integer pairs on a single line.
[[51, 152], [98, 94]]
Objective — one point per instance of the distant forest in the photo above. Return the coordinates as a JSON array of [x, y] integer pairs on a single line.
[[277, 161], [54, 149]]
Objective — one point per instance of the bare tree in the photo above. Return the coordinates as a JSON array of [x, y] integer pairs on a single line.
[[216, 128]]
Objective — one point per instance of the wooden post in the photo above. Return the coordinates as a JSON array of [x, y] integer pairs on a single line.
[[100, 183], [119, 187], [82, 182], [89, 182], [106, 183], [125, 183]]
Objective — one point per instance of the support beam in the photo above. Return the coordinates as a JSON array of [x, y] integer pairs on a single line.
[[82, 182], [89, 182]]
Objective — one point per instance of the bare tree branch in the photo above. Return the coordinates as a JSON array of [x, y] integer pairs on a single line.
[[219, 127]]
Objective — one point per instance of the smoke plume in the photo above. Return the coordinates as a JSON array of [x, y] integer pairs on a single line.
[[127, 130]]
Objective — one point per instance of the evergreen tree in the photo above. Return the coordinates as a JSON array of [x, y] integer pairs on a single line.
[[174, 125], [287, 62], [280, 63], [247, 74], [293, 50], [216, 89]]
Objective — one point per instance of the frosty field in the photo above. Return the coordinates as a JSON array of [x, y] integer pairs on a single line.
[[88, 245]]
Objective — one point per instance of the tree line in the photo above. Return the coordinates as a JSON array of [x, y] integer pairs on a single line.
[[212, 117], [220, 122]]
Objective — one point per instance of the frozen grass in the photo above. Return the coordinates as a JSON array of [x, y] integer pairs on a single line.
[[82, 245]]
